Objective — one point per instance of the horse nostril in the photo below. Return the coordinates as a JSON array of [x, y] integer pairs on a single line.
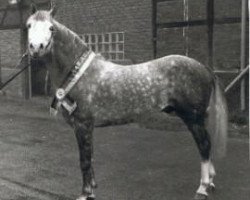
[[35, 54], [41, 46], [31, 46]]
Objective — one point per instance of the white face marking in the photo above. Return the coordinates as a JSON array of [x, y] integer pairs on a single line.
[[39, 37]]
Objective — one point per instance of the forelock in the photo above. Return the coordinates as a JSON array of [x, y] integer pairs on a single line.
[[41, 16]]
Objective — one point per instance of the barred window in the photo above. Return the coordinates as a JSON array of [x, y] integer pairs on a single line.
[[110, 45]]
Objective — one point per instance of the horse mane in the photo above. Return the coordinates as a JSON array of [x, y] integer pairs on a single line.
[[69, 42], [67, 34]]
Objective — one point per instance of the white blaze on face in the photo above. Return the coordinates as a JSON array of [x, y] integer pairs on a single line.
[[39, 37]]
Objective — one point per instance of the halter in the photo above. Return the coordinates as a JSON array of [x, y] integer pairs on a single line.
[[70, 81]]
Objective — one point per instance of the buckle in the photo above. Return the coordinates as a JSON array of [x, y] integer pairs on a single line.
[[69, 106], [60, 94]]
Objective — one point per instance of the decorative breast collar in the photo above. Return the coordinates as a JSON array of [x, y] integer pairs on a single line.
[[70, 81]]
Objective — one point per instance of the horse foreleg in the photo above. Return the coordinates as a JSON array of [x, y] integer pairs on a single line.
[[83, 132]]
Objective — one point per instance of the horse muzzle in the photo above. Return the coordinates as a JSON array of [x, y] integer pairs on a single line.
[[39, 50]]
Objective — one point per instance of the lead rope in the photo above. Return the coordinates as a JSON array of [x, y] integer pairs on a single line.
[[14, 75]]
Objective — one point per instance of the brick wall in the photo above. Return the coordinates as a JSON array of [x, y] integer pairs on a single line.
[[227, 36], [99, 16], [134, 18], [227, 39], [9, 47], [9, 56], [192, 41]]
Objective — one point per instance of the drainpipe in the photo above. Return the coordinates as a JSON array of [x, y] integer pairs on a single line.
[[243, 54]]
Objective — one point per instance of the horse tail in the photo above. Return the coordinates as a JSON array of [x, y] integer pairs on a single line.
[[217, 120]]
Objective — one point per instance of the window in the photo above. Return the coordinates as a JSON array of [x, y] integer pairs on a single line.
[[110, 45]]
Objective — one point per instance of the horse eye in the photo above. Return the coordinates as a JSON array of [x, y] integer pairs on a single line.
[[28, 25], [51, 28]]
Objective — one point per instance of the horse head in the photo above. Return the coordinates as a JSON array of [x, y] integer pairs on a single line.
[[40, 31]]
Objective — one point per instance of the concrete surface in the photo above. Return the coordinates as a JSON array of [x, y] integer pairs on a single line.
[[39, 160]]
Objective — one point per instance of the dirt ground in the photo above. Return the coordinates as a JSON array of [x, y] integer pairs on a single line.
[[39, 160]]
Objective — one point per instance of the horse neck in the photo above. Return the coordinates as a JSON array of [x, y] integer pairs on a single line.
[[67, 49]]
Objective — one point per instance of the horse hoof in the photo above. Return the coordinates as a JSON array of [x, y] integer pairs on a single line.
[[91, 198], [82, 198], [211, 187], [200, 197], [86, 198]]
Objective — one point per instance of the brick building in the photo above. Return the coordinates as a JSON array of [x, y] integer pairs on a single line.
[[133, 31], [134, 19]]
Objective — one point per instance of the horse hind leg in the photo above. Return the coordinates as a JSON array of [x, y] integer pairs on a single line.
[[207, 173], [196, 125], [212, 174]]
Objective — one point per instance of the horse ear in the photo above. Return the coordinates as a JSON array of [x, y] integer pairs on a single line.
[[53, 9], [33, 8]]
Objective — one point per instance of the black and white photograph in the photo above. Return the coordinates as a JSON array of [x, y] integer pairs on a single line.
[[124, 100]]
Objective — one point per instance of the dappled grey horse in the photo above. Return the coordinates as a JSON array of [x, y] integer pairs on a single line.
[[91, 88]]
